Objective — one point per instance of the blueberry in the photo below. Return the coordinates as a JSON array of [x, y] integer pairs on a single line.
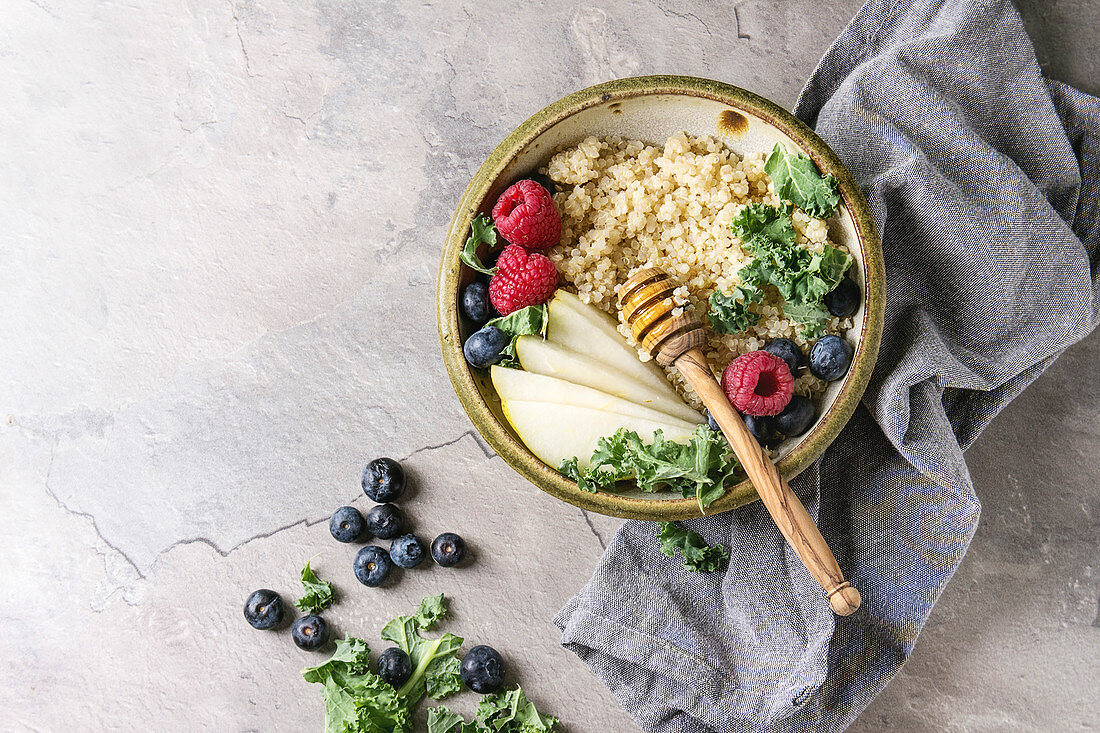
[[789, 352], [796, 418], [346, 524], [263, 609], [762, 428], [844, 299], [407, 551], [711, 422], [475, 303], [448, 549], [830, 358], [483, 669], [383, 480], [372, 565], [309, 632], [486, 347], [546, 182], [385, 521], [394, 666]]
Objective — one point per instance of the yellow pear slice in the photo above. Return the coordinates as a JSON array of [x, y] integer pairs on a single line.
[[589, 331], [556, 432], [558, 420], [554, 360]]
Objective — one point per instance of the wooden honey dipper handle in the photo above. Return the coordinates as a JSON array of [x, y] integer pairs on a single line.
[[790, 516], [673, 335]]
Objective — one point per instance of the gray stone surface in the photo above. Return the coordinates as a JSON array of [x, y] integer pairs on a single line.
[[220, 229]]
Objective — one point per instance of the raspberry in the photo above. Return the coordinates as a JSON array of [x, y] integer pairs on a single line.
[[525, 214], [758, 383], [522, 279]]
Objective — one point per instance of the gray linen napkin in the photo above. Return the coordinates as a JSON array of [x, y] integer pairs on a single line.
[[984, 178]]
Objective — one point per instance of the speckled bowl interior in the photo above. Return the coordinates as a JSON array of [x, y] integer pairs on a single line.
[[651, 109]]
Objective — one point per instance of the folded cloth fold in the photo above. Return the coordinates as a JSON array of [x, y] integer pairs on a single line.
[[984, 179]]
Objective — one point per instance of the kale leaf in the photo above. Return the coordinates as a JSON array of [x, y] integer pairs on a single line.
[[359, 701], [796, 179], [319, 594], [802, 277], [525, 322], [435, 666], [356, 699], [698, 468], [729, 313], [481, 230], [502, 712], [698, 556]]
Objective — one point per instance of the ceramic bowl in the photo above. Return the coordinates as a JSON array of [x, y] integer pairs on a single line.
[[651, 108]]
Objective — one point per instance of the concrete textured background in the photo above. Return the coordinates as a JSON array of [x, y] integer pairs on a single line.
[[220, 228]]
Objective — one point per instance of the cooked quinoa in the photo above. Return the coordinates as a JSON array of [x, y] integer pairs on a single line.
[[626, 204]]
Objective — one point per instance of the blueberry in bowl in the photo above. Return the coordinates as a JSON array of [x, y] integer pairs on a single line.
[[383, 480], [789, 352], [486, 347], [407, 551], [372, 565], [263, 609], [843, 300], [475, 303], [830, 358]]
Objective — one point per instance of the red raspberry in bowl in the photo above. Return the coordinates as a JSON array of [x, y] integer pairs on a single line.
[[758, 383], [526, 215], [522, 279]]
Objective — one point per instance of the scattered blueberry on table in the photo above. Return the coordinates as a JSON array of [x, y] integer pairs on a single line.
[[385, 521], [394, 666], [830, 358], [843, 300], [383, 480], [483, 669], [796, 418], [263, 609], [310, 632], [372, 565], [789, 352], [346, 524], [486, 347], [448, 549], [407, 551]]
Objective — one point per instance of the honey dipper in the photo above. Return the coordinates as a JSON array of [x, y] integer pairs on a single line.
[[647, 304]]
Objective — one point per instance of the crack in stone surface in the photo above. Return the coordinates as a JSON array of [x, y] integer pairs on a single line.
[[86, 515], [591, 526]]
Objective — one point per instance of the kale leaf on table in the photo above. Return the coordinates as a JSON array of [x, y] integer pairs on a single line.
[[502, 712], [698, 556], [359, 701], [319, 594], [434, 664]]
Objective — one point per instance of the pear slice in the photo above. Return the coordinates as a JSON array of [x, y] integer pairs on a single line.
[[517, 384], [556, 432], [554, 360], [587, 330]]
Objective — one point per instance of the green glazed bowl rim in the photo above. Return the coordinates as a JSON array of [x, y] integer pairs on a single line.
[[513, 451]]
